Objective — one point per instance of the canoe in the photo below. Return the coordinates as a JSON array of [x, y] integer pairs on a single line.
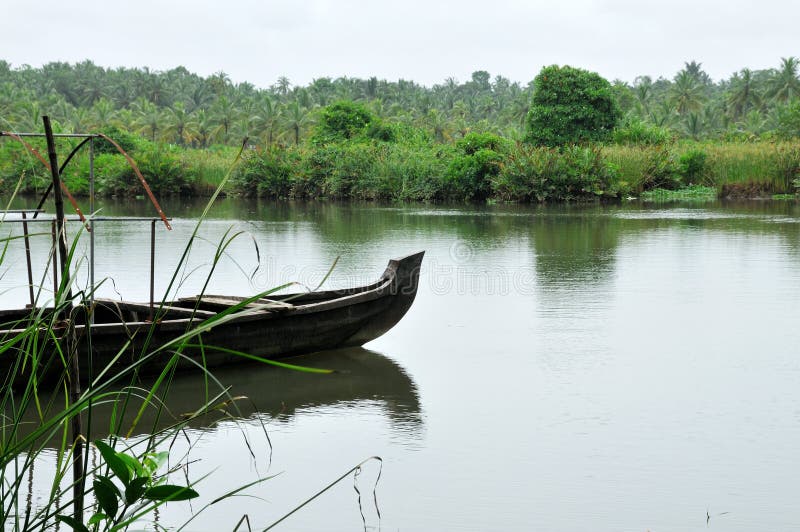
[[122, 333]]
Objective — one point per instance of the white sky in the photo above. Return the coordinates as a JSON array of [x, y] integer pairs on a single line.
[[421, 40]]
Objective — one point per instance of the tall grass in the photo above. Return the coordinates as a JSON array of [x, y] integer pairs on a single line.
[[771, 167], [127, 480], [751, 169]]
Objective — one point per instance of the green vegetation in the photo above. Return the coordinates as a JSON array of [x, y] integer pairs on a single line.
[[571, 106], [690, 193], [119, 480], [375, 139]]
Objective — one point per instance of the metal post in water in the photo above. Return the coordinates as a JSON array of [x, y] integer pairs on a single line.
[[78, 474], [55, 259], [59, 198], [28, 256], [152, 265], [91, 226]]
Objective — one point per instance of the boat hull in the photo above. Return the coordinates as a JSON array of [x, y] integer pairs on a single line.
[[193, 329]]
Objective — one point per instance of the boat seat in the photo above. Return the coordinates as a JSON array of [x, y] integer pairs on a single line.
[[271, 304]]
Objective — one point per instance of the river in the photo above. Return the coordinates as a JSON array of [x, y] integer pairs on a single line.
[[605, 368]]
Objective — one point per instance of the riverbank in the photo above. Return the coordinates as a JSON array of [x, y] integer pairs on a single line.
[[401, 163]]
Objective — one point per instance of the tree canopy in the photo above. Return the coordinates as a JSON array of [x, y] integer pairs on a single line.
[[569, 106], [180, 107]]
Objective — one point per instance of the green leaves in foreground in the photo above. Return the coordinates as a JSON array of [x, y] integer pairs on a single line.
[[140, 488]]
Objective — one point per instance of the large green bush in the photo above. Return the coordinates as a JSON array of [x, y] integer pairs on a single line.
[[342, 121], [477, 162], [161, 166], [271, 174], [571, 105]]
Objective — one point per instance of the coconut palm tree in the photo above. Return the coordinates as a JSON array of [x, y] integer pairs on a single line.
[[179, 125], [266, 118], [148, 118], [205, 129], [687, 94], [102, 113], [225, 113], [785, 85], [295, 118], [693, 125], [643, 93], [742, 95]]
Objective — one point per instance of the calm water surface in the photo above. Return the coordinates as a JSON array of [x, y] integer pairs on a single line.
[[585, 368]]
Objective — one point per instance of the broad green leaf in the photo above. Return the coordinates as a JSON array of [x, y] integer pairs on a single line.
[[96, 518], [133, 464], [113, 461], [153, 461], [73, 523], [107, 495], [136, 489], [169, 492]]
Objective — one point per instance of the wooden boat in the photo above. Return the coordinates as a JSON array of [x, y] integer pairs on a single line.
[[264, 328]]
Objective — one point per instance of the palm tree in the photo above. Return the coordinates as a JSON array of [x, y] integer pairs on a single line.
[[742, 95], [205, 129], [179, 124], [296, 117], [28, 116], [282, 86], [663, 115], [225, 114], [695, 70], [437, 121], [148, 118], [322, 90], [754, 123], [785, 86], [219, 83], [643, 92], [103, 112], [687, 94], [268, 114], [693, 125]]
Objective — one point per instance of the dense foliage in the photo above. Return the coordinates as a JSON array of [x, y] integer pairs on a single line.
[[377, 139], [571, 105]]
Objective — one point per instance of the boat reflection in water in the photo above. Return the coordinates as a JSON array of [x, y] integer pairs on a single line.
[[359, 376]]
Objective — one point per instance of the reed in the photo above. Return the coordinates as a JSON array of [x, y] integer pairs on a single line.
[[129, 479]]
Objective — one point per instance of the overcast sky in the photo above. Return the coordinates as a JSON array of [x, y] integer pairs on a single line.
[[421, 40]]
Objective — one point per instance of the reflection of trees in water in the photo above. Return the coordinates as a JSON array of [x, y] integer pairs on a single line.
[[573, 242], [575, 248]]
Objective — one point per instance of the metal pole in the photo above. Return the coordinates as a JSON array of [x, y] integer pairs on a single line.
[[55, 259], [152, 265], [91, 227], [59, 198], [28, 256], [71, 341]]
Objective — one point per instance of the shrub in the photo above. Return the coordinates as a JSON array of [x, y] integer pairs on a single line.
[[554, 174], [128, 141], [660, 170], [161, 167], [269, 174], [571, 105], [341, 121], [692, 165], [638, 132], [470, 172], [788, 119]]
